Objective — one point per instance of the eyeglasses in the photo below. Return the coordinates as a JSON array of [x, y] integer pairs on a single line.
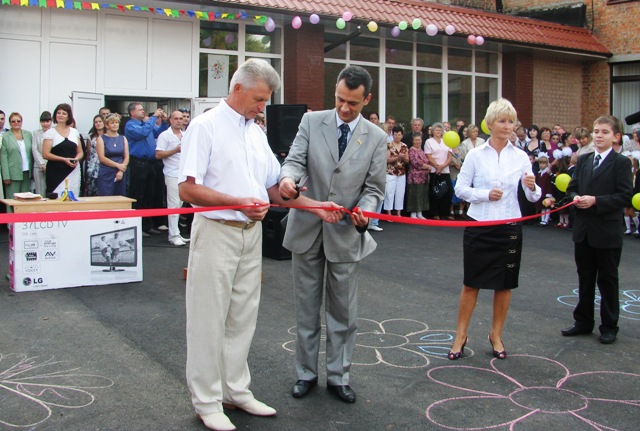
[[184, 110], [15, 121]]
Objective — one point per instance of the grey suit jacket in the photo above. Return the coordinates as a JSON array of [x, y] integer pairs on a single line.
[[357, 179]]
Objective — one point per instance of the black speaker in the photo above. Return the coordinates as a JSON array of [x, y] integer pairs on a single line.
[[632, 119], [282, 125], [273, 234]]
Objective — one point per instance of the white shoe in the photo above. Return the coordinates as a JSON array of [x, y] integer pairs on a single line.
[[184, 239], [420, 216], [217, 422], [627, 232], [375, 228], [176, 240], [163, 227], [253, 407]]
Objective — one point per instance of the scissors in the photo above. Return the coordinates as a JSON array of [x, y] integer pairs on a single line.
[[299, 186]]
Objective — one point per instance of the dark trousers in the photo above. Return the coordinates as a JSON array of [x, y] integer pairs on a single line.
[[440, 207], [597, 265], [142, 179]]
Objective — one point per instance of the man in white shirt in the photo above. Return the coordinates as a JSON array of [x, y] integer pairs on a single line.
[[168, 149], [226, 161]]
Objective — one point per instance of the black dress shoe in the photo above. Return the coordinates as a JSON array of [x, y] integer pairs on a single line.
[[344, 392], [302, 387], [574, 330], [607, 338]]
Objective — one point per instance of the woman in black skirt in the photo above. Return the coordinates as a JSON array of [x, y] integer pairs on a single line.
[[489, 181]]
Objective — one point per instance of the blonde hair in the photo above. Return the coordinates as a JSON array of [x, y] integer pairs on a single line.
[[110, 118], [499, 109]]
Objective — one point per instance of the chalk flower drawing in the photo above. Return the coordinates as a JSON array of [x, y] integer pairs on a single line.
[[400, 343], [531, 393], [629, 302], [30, 387]]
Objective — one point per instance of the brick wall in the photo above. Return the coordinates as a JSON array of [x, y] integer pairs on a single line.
[[517, 84], [557, 94], [617, 26], [303, 79], [595, 92]]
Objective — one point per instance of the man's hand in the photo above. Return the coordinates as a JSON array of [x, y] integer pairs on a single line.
[[584, 201], [287, 188], [257, 208], [358, 219], [331, 212]]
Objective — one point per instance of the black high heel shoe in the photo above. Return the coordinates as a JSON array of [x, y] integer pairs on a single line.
[[496, 354], [457, 355]]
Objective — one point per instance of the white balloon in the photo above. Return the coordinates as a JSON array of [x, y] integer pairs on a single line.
[[449, 29], [431, 29], [479, 40]]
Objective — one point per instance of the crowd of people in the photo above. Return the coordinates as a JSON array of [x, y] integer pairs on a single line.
[[422, 172], [138, 160]]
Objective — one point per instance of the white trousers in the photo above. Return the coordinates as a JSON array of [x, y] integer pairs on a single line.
[[222, 298], [394, 192], [173, 201]]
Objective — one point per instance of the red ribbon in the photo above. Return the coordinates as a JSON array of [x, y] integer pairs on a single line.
[[110, 214]]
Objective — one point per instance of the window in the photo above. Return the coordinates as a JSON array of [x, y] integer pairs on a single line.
[[625, 91]]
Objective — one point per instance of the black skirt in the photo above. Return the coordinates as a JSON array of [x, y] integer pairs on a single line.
[[492, 256]]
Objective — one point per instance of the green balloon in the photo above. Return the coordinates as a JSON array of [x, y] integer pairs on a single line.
[[416, 23], [402, 25], [341, 23]]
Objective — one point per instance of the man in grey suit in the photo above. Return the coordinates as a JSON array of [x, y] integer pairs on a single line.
[[344, 157]]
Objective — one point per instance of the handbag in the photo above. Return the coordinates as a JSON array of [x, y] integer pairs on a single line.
[[440, 187]]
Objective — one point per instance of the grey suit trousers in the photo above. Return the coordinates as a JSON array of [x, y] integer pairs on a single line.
[[313, 275]]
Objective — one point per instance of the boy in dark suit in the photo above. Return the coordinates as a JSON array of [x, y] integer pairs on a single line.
[[600, 188]]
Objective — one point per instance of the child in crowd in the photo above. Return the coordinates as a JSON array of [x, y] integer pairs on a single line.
[[630, 216], [562, 161], [544, 180]]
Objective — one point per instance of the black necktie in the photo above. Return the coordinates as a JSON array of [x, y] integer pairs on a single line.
[[596, 161], [342, 141]]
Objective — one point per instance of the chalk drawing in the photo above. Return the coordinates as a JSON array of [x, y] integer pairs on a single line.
[[31, 387], [533, 392], [629, 302], [400, 343]]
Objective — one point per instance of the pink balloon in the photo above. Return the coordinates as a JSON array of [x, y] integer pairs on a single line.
[[471, 39], [449, 29], [347, 16], [314, 18], [431, 29], [479, 40], [395, 31], [296, 22], [270, 25]]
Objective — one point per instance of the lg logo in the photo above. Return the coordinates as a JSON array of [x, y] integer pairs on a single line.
[[27, 281]]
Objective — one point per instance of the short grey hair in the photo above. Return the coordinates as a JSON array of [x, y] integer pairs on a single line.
[[253, 71], [417, 120], [437, 125]]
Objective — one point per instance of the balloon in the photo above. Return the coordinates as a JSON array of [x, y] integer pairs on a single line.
[[431, 30], [314, 18], [471, 39], [449, 29], [635, 201], [296, 22], [402, 25], [562, 182], [270, 25], [229, 38], [479, 40], [416, 23], [372, 26], [340, 23], [395, 31], [484, 127], [347, 15], [451, 139]]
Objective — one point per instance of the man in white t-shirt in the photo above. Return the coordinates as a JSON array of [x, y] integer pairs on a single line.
[[168, 149]]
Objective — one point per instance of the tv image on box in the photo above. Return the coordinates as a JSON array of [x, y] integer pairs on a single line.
[[115, 249], [282, 125]]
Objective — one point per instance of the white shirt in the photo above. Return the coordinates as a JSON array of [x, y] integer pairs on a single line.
[[223, 151], [56, 137], [603, 155], [23, 154], [168, 141], [352, 126], [484, 169]]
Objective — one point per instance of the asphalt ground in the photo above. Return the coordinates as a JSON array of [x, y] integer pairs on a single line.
[[113, 357]]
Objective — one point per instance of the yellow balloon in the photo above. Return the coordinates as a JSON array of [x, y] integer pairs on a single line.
[[562, 182], [484, 127], [372, 26], [635, 201], [451, 139]]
